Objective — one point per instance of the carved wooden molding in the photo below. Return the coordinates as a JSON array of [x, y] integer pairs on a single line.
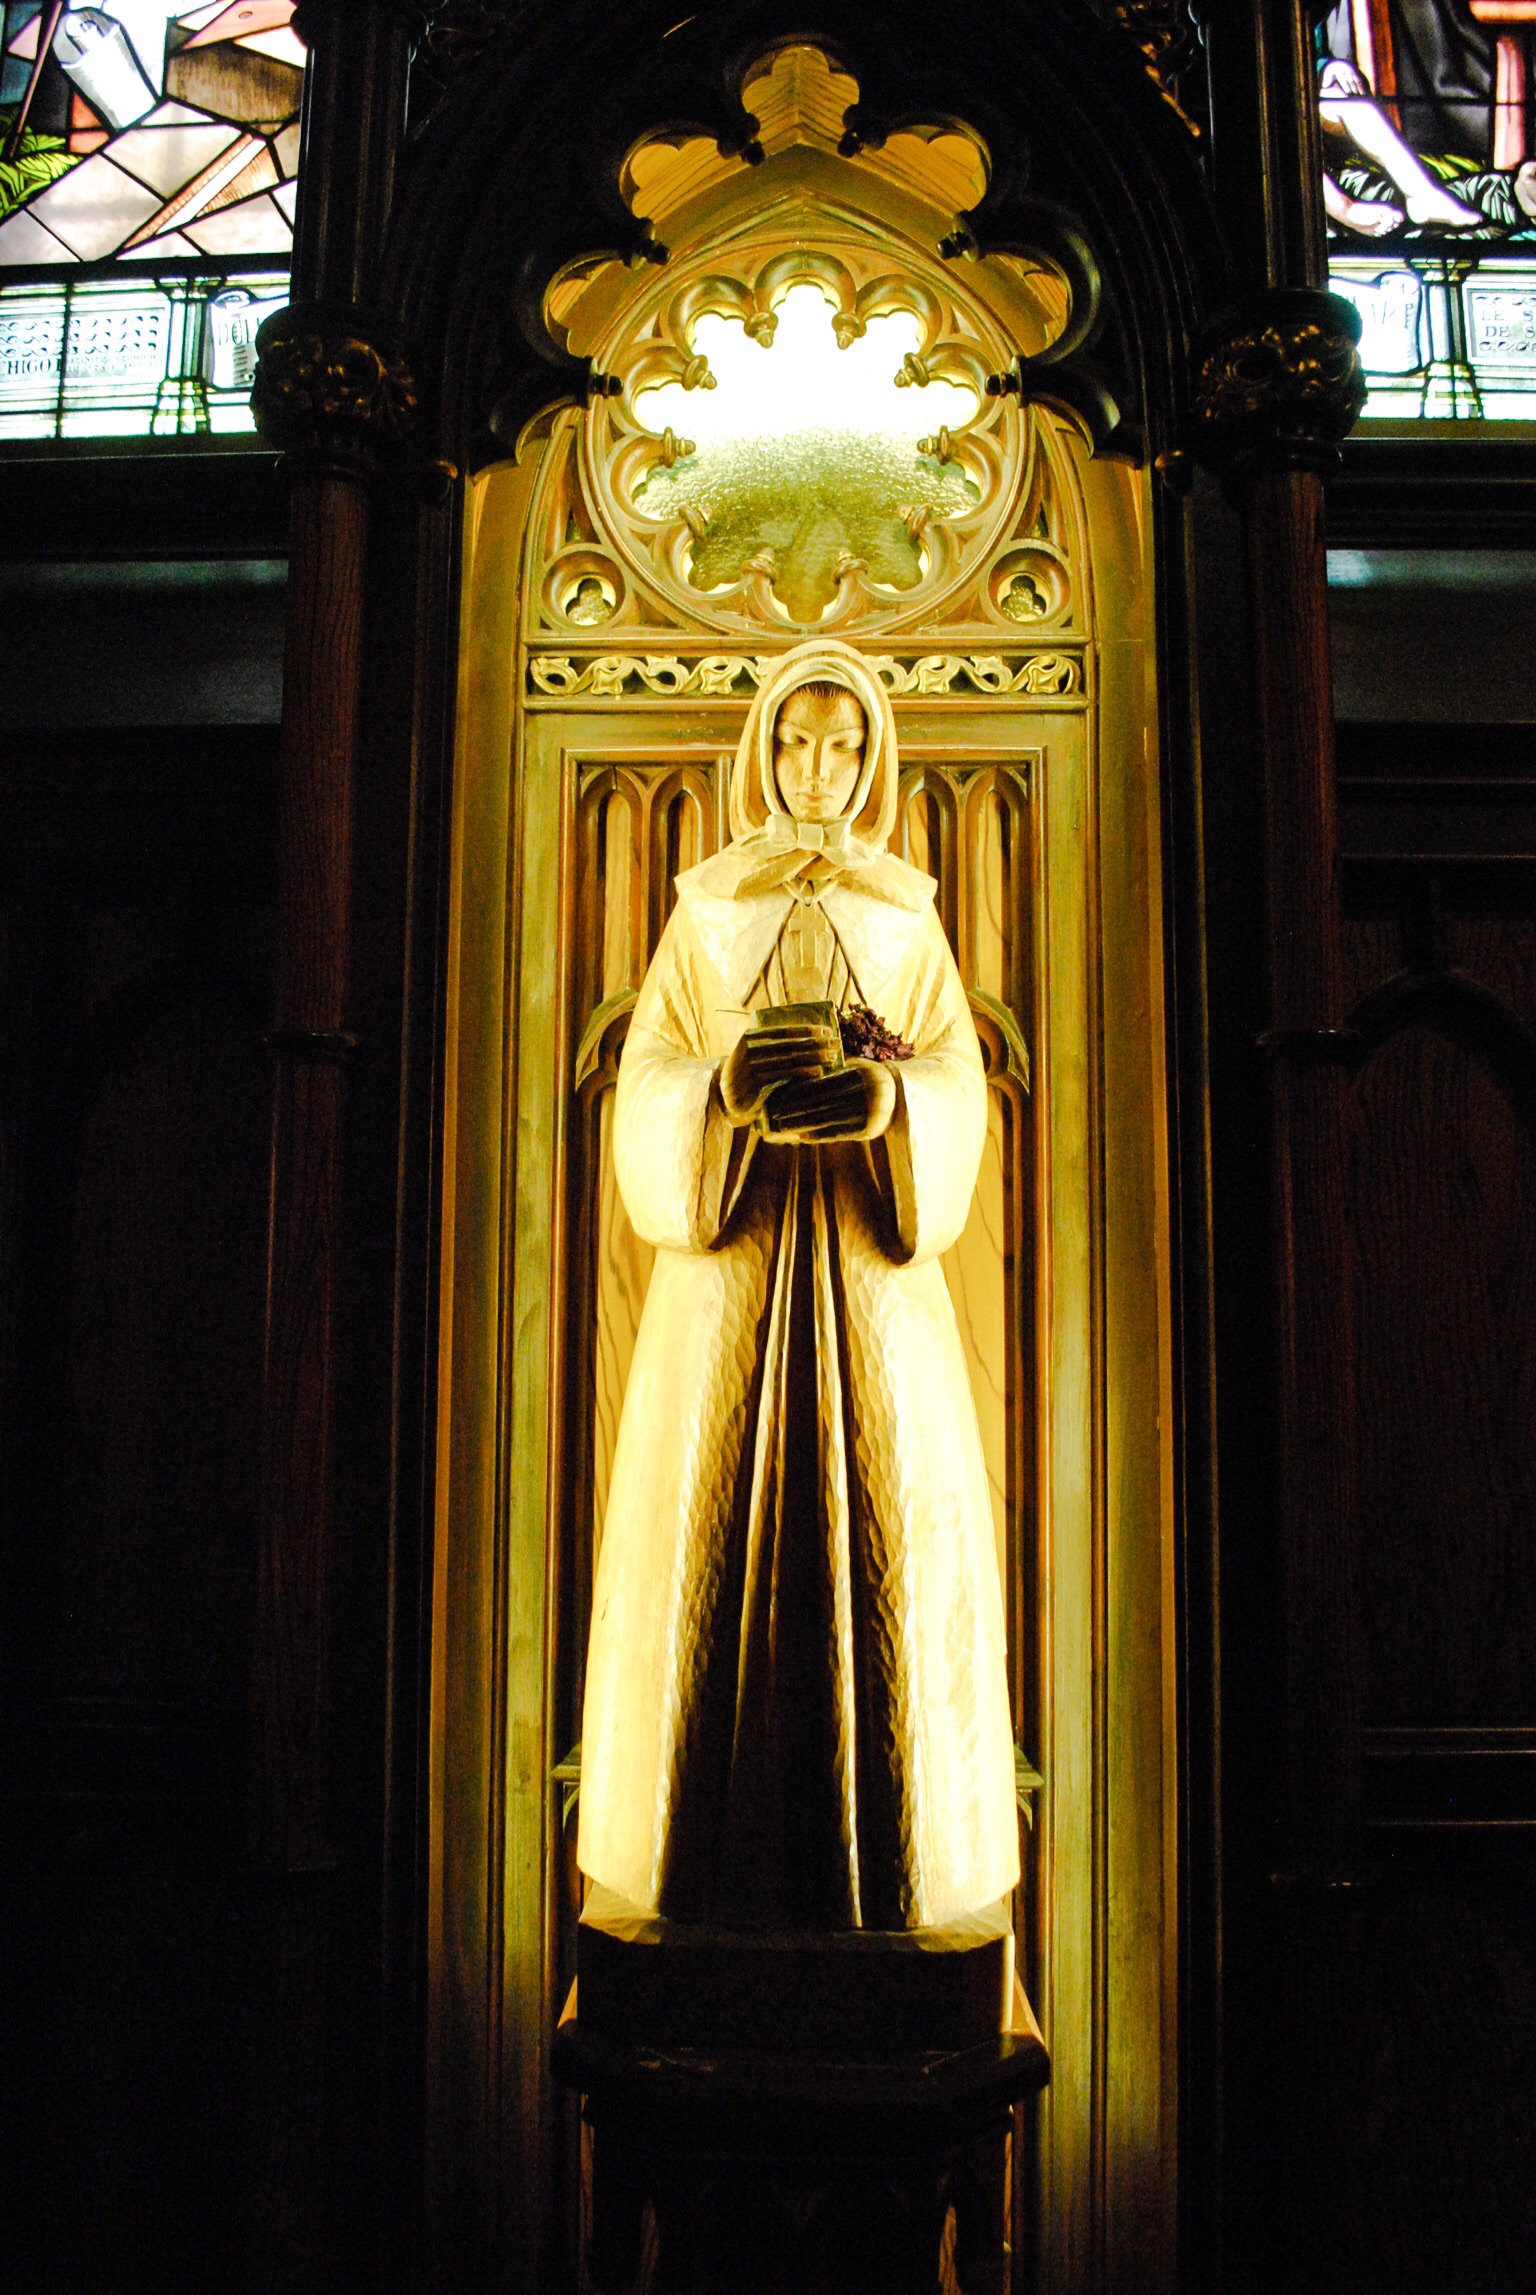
[[680, 518], [332, 387], [1280, 382], [604, 214], [723, 676], [1165, 33]]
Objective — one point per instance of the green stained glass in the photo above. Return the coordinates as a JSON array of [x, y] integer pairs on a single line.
[[800, 508], [822, 449], [40, 160], [1428, 151]]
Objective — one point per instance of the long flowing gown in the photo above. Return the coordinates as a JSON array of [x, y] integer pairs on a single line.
[[796, 1705]]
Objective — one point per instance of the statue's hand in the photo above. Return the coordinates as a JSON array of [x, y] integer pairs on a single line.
[[857, 1103], [767, 1058]]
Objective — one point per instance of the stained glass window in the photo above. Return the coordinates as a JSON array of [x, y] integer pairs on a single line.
[[1429, 155], [148, 163]]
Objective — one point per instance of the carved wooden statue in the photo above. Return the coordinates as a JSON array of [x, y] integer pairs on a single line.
[[796, 1706]]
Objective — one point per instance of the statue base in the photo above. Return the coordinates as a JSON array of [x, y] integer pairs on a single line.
[[799, 2113]]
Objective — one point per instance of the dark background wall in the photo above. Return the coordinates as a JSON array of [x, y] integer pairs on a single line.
[[138, 707], [1409, 2168]]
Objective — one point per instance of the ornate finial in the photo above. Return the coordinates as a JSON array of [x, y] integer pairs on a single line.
[[1279, 382], [332, 387]]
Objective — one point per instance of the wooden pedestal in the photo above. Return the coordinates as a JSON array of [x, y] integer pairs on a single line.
[[800, 2113]]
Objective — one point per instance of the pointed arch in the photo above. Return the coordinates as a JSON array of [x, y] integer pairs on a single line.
[[1461, 1008]]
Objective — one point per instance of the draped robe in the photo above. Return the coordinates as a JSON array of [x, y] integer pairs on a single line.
[[796, 1703]]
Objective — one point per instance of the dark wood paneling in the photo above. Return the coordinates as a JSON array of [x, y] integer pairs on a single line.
[[1401, 2124], [156, 498], [1441, 897], [1434, 487], [151, 1384], [1445, 1207], [1449, 1776], [1419, 640], [141, 643], [1413, 2162], [123, 2148], [1437, 821], [135, 898], [1373, 952], [1499, 951]]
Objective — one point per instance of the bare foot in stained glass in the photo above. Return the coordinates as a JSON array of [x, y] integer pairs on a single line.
[[1432, 204], [1373, 218], [1345, 102]]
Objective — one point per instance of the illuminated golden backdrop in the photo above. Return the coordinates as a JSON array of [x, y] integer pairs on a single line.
[[601, 690]]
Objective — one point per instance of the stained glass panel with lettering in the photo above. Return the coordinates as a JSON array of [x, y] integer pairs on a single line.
[[1428, 111]]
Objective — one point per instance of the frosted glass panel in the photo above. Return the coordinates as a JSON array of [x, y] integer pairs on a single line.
[[798, 448]]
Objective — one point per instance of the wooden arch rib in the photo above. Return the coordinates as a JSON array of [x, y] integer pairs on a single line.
[[1461, 1009]]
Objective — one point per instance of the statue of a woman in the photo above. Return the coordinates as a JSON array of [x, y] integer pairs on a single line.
[[796, 1703]]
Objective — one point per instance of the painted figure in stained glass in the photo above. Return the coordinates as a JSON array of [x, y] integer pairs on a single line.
[[138, 128], [797, 1708], [1425, 119]]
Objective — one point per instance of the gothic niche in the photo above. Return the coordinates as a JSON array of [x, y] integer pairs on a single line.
[[795, 431], [805, 429]]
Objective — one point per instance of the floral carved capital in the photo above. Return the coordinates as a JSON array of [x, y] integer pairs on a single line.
[[1280, 383], [331, 387]]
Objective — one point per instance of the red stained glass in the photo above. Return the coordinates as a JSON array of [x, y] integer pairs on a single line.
[[1429, 185]]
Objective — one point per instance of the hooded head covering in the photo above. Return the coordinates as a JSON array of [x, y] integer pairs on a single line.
[[738, 900], [758, 810]]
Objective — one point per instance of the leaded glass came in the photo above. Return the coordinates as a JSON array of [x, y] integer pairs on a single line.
[[1429, 157], [148, 172]]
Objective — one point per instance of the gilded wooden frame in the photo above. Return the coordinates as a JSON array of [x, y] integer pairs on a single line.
[[1103, 1926]]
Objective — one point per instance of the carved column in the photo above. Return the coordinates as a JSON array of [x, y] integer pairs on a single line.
[[333, 392], [1278, 386]]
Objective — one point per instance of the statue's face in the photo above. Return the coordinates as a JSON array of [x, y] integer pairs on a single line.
[[818, 753]]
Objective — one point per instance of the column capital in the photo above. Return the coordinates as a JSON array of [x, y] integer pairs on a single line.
[[1278, 382], [332, 387]]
